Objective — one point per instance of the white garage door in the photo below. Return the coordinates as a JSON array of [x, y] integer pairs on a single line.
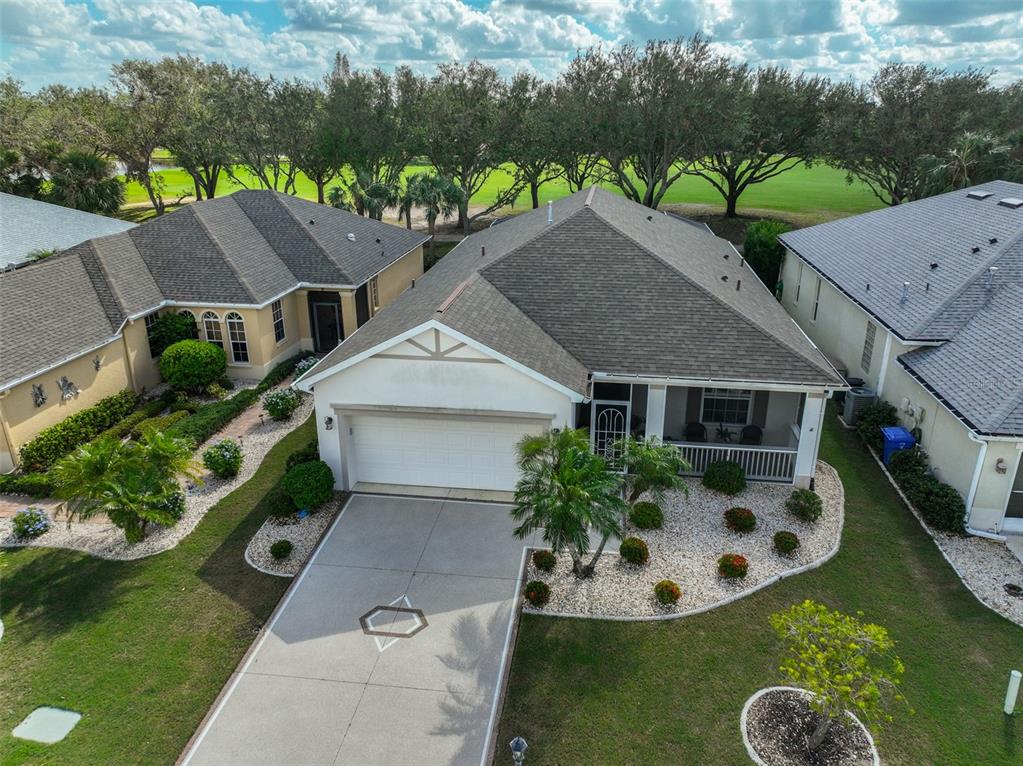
[[458, 452]]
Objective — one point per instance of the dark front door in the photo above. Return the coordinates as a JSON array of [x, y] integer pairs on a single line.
[[325, 318], [362, 305]]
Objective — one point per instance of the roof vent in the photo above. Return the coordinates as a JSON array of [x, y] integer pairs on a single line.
[[975, 249], [1014, 202], [738, 284], [993, 241], [378, 240], [483, 251], [934, 265], [868, 287], [724, 277], [351, 237], [650, 218], [550, 212], [978, 194], [312, 222], [905, 292], [991, 276], [451, 298]]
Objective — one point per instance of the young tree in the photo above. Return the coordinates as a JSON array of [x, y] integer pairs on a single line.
[[85, 182], [469, 132], [774, 123], [650, 466], [763, 251], [879, 132], [534, 146], [567, 490], [576, 136], [845, 664]]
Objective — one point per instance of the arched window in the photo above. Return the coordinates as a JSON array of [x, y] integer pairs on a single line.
[[236, 332], [211, 326], [195, 326]]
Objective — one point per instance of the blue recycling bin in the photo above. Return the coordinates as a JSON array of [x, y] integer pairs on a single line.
[[896, 438]]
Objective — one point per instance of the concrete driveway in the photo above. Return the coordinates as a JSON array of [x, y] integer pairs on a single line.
[[388, 650]]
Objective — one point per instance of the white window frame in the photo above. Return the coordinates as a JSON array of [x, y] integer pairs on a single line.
[[239, 345], [736, 394], [867, 354], [816, 301], [374, 293], [277, 313], [150, 320], [799, 280], [210, 320]]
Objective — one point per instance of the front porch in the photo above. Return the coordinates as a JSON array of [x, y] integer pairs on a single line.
[[772, 432]]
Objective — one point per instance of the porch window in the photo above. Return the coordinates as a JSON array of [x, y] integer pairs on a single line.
[[278, 316], [211, 327], [236, 332], [726, 405], [868, 346]]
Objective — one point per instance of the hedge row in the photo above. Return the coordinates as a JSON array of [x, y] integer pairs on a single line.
[[124, 426], [53, 443], [940, 504], [159, 423], [32, 484]]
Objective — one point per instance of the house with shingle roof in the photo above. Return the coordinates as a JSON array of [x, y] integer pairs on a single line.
[[263, 275], [596, 312], [924, 303]]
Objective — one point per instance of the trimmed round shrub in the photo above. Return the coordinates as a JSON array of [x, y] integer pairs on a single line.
[[281, 549], [940, 504], [192, 365], [785, 542], [667, 592], [740, 520], [172, 506], [732, 565], [634, 551], [279, 503], [545, 561], [537, 593], [310, 484], [646, 516], [30, 522], [805, 504], [224, 458], [281, 403], [725, 476], [309, 452]]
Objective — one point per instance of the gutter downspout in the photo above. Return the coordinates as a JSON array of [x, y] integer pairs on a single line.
[[14, 451], [974, 482], [883, 372], [128, 362]]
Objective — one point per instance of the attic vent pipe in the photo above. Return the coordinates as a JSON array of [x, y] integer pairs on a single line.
[[738, 284], [550, 212], [993, 241], [905, 292], [991, 276], [975, 249]]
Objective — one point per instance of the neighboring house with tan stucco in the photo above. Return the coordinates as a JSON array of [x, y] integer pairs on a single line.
[[264, 275], [924, 302]]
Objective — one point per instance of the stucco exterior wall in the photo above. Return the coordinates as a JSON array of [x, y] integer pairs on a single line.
[[397, 278]]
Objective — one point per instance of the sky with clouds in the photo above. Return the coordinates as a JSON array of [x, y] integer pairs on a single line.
[[76, 41]]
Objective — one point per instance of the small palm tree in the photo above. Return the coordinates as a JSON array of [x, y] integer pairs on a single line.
[[567, 490], [438, 197], [337, 196], [372, 197], [651, 466], [85, 181]]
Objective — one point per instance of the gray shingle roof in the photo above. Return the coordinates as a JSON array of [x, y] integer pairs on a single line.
[[28, 224], [245, 249], [610, 286]]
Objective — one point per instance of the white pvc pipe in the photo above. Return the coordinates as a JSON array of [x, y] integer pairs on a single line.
[[1012, 692]]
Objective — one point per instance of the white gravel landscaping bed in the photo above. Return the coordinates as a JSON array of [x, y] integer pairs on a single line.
[[302, 533], [107, 541], [687, 548]]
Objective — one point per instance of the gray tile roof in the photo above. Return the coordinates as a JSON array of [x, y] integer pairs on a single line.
[[610, 286], [245, 249], [28, 224]]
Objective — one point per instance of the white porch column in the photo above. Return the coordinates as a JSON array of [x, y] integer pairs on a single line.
[[656, 403], [809, 438]]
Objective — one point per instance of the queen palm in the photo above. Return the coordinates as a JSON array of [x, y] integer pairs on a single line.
[[567, 490]]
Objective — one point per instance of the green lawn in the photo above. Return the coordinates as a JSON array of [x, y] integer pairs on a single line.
[[820, 191], [585, 691], [141, 648]]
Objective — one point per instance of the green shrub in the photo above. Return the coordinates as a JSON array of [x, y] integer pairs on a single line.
[[159, 423], [191, 406], [281, 372], [740, 520], [310, 484], [35, 485], [908, 464], [281, 403], [725, 476], [763, 251], [173, 505], [646, 516], [634, 551], [304, 365], [667, 592], [192, 365], [168, 329], [53, 443], [216, 391], [872, 419], [279, 503], [30, 523], [785, 542], [225, 383], [941, 506], [537, 593], [309, 452], [545, 561], [212, 417], [281, 549], [732, 566], [224, 458], [805, 504]]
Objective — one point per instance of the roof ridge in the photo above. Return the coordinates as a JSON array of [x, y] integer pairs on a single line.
[[227, 259], [108, 299], [774, 339], [114, 282], [544, 230], [276, 195]]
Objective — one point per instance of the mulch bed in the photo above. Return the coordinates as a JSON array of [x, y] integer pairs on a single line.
[[779, 723]]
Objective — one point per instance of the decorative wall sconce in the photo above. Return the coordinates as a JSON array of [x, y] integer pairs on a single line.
[[328, 423], [38, 395], [68, 390], [96, 363], [1001, 466]]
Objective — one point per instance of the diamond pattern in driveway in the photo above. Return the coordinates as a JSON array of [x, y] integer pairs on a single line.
[[318, 691]]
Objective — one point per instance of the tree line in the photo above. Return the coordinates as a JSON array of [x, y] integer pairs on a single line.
[[639, 118]]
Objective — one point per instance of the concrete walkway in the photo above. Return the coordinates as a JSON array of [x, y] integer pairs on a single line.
[[388, 649]]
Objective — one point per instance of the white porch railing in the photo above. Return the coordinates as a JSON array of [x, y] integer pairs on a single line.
[[760, 463]]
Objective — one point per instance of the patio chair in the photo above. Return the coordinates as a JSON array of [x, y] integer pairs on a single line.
[[695, 432], [752, 435]]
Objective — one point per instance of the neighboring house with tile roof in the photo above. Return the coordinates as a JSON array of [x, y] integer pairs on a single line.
[[596, 312], [924, 302], [28, 226], [263, 274]]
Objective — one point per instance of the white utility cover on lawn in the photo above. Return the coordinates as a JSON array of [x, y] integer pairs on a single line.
[[453, 451]]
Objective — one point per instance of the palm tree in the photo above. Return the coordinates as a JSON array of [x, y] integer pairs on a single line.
[[567, 490], [437, 196], [337, 196], [372, 197], [651, 466], [85, 181]]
